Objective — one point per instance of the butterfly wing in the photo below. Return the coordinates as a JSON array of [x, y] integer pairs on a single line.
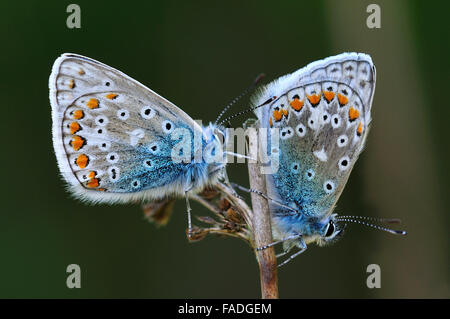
[[111, 134], [323, 113]]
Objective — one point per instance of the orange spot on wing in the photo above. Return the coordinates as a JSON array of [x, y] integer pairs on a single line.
[[101, 189], [297, 104], [353, 114], [82, 161], [342, 99], [360, 129], [270, 121], [71, 83], [314, 99], [329, 95], [93, 182], [277, 115], [92, 104], [285, 112], [81, 72], [78, 114], [74, 127], [77, 142], [111, 96]]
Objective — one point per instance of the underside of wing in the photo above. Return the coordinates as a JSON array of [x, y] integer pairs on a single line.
[[111, 134], [323, 115]]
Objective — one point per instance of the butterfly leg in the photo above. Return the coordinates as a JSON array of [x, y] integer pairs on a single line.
[[250, 190], [188, 207], [281, 254], [230, 186], [226, 181], [220, 168], [291, 237], [302, 249]]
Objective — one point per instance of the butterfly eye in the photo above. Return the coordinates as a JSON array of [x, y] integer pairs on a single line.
[[310, 174], [147, 112], [342, 140], [300, 130], [344, 163], [328, 187], [123, 114], [330, 230]]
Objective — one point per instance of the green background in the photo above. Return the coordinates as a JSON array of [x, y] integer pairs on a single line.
[[200, 55]]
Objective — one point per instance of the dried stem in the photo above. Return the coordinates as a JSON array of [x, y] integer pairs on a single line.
[[262, 232]]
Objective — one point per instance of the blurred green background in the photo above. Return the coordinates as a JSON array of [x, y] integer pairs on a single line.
[[200, 55]]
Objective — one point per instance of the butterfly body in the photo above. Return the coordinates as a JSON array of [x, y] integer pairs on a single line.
[[117, 141], [322, 113]]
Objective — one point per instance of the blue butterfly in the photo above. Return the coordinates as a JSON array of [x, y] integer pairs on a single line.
[[115, 140], [322, 115]]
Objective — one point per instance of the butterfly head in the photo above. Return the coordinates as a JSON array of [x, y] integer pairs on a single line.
[[322, 231], [214, 148], [332, 228]]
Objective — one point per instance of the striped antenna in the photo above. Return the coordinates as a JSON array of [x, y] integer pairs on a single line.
[[381, 220], [249, 89], [248, 110], [392, 231]]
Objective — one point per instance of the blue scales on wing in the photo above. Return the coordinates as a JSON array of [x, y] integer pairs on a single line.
[[322, 114], [113, 136]]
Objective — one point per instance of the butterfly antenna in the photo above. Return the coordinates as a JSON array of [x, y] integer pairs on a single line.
[[247, 110], [392, 231], [246, 91], [380, 220]]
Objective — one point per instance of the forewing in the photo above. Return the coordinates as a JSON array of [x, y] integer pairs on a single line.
[[111, 134], [323, 114]]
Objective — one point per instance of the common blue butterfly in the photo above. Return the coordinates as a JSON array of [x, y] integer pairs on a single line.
[[322, 113], [115, 139]]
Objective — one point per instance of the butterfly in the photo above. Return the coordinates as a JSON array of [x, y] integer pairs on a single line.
[[116, 140], [322, 114]]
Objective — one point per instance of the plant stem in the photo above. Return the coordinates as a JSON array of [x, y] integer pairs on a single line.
[[262, 231]]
